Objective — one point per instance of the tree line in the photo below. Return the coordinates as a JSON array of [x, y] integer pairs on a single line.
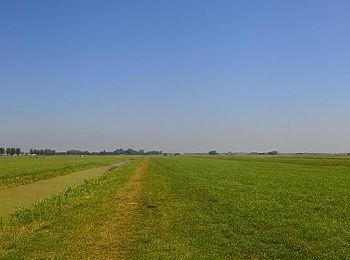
[[10, 151], [33, 151], [42, 151], [115, 152]]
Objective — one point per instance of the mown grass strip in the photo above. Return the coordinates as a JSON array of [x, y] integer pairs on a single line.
[[115, 232]]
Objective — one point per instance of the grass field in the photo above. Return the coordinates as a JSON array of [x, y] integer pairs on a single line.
[[245, 208], [193, 207], [23, 169]]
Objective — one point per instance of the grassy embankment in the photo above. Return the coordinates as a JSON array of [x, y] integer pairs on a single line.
[[21, 170]]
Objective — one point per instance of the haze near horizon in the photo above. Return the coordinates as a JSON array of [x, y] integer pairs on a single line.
[[180, 76]]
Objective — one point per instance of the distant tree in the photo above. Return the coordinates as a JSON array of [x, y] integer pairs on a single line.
[[77, 152], [8, 151], [131, 152], [43, 152], [272, 153], [49, 152], [213, 152], [2, 150], [154, 153], [18, 151], [13, 151], [118, 151]]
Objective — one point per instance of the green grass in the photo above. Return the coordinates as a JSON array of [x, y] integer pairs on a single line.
[[194, 208], [225, 207], [302, 160], [20, 170], [67, 224]]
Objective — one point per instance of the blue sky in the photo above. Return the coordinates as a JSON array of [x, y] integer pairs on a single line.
[[175, 75]]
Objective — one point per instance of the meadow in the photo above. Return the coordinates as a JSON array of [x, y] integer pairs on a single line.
[[245, 207], [193, 207]]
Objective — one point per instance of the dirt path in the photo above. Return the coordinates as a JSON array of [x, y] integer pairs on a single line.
[[115, 232], [27, 195]]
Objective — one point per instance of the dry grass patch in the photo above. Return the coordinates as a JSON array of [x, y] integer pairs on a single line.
[[110, 237]]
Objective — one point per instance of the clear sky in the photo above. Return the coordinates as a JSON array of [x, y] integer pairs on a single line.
[[182, 76]]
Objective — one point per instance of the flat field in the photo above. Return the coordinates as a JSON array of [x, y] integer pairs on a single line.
[[193, 207]]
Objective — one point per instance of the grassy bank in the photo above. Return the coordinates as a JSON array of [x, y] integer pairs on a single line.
[[22, 169]]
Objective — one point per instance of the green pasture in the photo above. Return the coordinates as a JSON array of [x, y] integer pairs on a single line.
[[242, 207], [193, 208]]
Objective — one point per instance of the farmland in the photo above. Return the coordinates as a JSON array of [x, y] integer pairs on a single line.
[[187, 207]]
